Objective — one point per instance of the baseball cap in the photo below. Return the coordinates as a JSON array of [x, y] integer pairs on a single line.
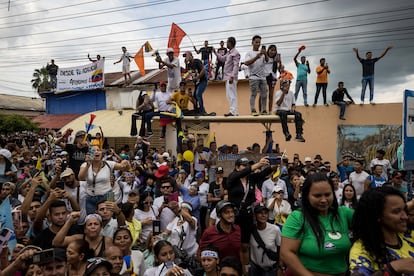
[[199, 175], [63, 153], [170, 50], [318, 156], [133, 192], [397, 175], [187, 53], [219, 170], [259, 208], [308, 159], [284, 81], [162, 171], [80, 133], [162, 83], [242, 161], [277, 189], [66, 172], [6, 153], [95, 263], [166, 155]]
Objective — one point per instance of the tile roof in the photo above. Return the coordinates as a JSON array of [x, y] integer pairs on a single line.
[[55, 121]]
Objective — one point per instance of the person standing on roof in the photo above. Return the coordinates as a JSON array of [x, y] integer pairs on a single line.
[[173, 70]]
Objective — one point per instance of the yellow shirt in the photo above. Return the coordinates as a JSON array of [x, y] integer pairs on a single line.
[[361, 261], [135, 228], [181, 100]]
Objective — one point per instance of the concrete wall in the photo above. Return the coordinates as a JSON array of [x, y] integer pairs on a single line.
[[320, 128]]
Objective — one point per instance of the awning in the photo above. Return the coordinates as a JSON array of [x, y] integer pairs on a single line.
[[114, 123], [55, 121]]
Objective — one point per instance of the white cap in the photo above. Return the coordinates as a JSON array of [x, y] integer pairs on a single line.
[[169, 50], [277, 189], [166, 155], [6, 153], [308, 159]]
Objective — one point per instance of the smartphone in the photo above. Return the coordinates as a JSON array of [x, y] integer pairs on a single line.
[[17, 219], [91, 152], [173, 197], [110, 196], [43, 257], [5, 236], [60, 185], [156, 227], [169, 265], [263, 47], [278, 56]]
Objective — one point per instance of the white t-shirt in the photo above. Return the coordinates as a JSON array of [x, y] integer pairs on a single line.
[[287, 103], [385, 163], [202, 193], [189, 241], [161, 270], [338, 194], [125, 59], [174, 74], [271, 237], [137, 259], [284, 208], [167, 215], [357, 180], [81, 200], [160, 99], [257, 68], [141, 215], [101, 179]]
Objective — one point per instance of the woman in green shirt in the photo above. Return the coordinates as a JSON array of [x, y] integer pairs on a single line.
[[315, 239]]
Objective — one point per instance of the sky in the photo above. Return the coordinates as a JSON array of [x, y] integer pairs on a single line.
[[34, 31]]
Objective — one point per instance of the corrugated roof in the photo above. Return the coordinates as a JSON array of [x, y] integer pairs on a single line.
[[12, 102], [55, 121]]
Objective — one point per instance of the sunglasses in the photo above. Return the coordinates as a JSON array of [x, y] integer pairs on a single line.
[[165, 187]]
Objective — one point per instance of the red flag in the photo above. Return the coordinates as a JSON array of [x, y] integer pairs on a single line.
[[139, 60], [174, 41]]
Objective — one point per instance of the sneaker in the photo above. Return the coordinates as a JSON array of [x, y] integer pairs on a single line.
[[228, 114], [314, 105], [306, 105], [254, 113], [300, 138], [342, 118], [372, 102], [361, 103], [149, 134], [326, 104], [264, 113], [288, 137]]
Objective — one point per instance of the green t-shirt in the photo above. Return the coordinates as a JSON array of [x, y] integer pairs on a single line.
[[332, 257]]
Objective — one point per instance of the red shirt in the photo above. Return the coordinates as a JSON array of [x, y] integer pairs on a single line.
[[228, 244]]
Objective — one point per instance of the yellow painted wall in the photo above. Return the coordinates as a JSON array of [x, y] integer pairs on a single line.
[[320, 128]]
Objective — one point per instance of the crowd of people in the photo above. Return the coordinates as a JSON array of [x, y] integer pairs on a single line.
[[80, 207]]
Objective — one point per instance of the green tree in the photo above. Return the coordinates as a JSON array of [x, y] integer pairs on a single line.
[[14, 123], [40, 80]]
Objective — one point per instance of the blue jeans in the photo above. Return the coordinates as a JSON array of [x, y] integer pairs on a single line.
[[261, 87], [92, 201], [342, 105], [368, 80], [304, 85], [199, 90], [148, 116]]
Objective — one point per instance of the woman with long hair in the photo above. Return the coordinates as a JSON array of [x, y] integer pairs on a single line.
[[98, 173], [146, 214], [349, 197], [315, 238], [271, 68], [379, 224], [133, 259], [77, 254], [164, 261]]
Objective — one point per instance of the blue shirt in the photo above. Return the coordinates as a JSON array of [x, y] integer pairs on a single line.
[[302, 71]]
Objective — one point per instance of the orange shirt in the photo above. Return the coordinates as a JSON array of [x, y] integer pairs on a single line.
[[322, 77]]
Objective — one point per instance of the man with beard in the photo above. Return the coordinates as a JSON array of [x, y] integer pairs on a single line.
[[114, 255], [225, 235]]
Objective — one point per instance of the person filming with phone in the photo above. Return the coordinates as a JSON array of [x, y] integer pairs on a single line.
[[97, 174]]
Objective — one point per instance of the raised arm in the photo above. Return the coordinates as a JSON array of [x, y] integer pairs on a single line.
[[61, 239], [385, 52], [356, 53]]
